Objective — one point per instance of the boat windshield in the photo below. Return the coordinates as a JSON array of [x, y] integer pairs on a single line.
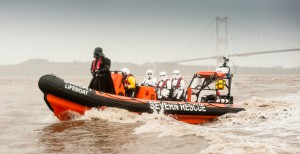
[[196, 85]]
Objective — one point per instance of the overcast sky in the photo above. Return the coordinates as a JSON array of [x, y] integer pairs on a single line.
[[141, 31]]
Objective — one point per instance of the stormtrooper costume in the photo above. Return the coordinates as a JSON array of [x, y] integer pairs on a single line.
[[149, 80], [177, 85], [163, 86]]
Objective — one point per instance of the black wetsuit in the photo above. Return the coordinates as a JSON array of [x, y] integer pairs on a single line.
[[102, 80]]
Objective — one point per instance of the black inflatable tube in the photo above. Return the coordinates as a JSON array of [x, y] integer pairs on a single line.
[[50, 84]]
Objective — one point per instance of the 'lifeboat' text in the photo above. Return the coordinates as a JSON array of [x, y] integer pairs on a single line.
[[76, 88]]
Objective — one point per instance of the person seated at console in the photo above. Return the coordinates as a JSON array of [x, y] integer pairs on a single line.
[[149, 80], [163, 87]]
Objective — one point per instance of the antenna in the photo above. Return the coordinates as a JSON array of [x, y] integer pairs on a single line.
[[221, 37]]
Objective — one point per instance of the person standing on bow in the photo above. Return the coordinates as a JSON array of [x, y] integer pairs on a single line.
[[149, 80], [163, 87], [177, 86], [101, 80], [128, 82]]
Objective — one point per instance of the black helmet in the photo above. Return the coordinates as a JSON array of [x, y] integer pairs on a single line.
[[98, 52]]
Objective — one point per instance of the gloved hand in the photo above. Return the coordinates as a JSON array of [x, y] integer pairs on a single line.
[[96, 72], [179, 94], [100, 71], [104, 69], [126, 86]]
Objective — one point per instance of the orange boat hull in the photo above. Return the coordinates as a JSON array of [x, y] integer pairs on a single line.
[[65, 99]]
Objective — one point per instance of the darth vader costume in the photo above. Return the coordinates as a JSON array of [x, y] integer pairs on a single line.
[[101, 80]]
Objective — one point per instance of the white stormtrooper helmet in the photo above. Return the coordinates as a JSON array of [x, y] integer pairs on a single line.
[[149, 74], [163, 76], [125, 71], [176, 74]]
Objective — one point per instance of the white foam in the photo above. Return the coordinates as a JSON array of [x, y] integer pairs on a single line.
[[166, 127], [269, 125], [111, 115], [156, 123], [236, 147], [261, 110]]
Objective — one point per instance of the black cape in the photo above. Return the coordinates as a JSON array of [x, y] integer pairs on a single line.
[[102, 80]]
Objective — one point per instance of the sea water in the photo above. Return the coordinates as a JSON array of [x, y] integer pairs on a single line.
[[270, 124]]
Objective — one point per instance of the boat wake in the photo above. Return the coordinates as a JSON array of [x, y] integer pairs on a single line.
[[266, 126], [122, 116], [259, 110]]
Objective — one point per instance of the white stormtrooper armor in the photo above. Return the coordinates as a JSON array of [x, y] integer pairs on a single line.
[[177, 85], [149, 80], [163, 86]]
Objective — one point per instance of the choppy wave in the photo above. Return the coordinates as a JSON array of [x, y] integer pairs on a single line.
[[267, 126], [270, 123], [120, 115]]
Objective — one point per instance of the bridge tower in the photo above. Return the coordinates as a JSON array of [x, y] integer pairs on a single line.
[[221, 38]]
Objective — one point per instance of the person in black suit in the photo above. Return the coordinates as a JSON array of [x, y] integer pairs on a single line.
[[101, 80]]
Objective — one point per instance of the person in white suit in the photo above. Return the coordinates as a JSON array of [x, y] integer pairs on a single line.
[[163, 86], [149, 80], [177, 86]]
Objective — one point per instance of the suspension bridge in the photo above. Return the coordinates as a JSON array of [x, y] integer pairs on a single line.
[[239, 55], [220, 33]]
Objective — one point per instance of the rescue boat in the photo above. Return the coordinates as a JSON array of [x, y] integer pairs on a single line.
[[62, 96]]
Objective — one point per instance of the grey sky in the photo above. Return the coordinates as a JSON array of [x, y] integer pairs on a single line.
[[142, 31]]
